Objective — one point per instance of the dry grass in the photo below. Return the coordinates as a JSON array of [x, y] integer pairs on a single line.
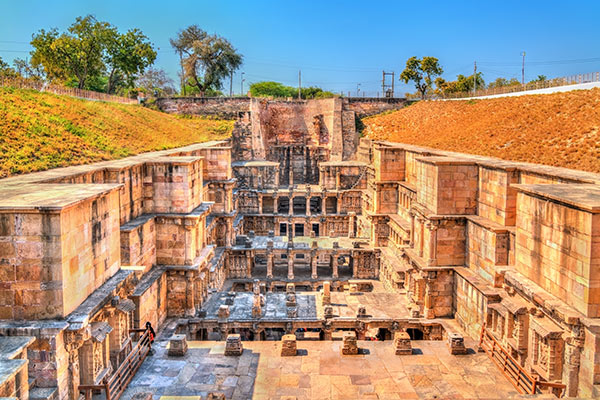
[[560, 129], [39, 131]]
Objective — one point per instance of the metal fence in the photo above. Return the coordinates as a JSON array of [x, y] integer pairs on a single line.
[[564, 81], [24, 83]]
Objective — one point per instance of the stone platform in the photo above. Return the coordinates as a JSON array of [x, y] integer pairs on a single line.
[[321, 373]]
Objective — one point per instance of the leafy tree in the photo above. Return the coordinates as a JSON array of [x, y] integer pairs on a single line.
[[276, 89], [91, 55], [24, 68], [502, 82], [422, 72], [156, 82], [75, 54], [540, 79], [5, 70], [207, 59], [270, 89], [127, 55]]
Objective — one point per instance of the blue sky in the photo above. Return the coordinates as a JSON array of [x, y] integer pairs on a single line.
[[339, 44]]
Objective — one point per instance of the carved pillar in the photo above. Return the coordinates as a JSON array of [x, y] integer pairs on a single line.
[[290, 265], [291, 176], [334, 264], [189, 254], [327, 330], [249, 262], [74, 340], [324, 204], [229, 233], [428, 299], [356, 259], [361, 330], [308, 214], [432, 242], [291, 208], [190, 306], [351, 223], [573, 346], [313, 264], [260, 203], [269, 264], [412, 230]]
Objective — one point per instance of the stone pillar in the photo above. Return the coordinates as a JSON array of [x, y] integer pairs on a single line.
[[324, 204], [249, 259], [326, 293], [351, 221], [573, 348], [74, 340], [313, 260], [291, 209], [308, 205], [229, 233], [355, 259], [190, 308], [432, 242], [291, 176], [412, 230], [334, 265], [270, 264], [260, 203], [428, 300], [327, 331], [189, 256], [290, 265]]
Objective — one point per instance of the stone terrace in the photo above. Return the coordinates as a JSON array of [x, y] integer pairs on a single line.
[[320, 372]]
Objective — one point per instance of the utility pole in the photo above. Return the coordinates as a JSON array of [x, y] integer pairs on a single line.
[[231, 84], [523, 70], [474, 77], [299, 85], [242, 83]]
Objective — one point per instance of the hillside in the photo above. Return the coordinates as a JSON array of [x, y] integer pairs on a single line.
[[558, 129], [39, 131]]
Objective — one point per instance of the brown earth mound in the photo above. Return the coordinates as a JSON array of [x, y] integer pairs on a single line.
[[558, 129]]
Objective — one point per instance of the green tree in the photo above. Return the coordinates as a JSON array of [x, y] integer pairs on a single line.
[[422, 72], [127, 55], [270, 89], [502, 82], [5, 70], [76, 54], [206, 59]]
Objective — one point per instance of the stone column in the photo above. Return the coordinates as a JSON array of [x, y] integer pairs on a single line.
[[412, 230], [573, 346], [334, 264], [291, 175], [74, 340], [290, 265], [270, 259], [291, 209], [355, 258], [324, 204], [229, 233], [189, 256], [308, 214], [432, 242], [351, 220], [428, 300], [260, 203], [313, 263], [190, 308], [249, 258]]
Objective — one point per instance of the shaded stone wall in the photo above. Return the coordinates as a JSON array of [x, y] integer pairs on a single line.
[[223, 107]]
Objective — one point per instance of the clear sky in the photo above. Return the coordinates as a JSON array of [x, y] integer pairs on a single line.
[[340, 44]]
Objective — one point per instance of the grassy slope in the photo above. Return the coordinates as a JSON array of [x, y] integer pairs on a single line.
[[40, 131], [559, 129]]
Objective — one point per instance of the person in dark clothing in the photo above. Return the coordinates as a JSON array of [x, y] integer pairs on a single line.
[[152, 335]]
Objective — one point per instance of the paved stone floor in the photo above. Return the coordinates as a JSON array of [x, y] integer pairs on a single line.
[[320, 372]]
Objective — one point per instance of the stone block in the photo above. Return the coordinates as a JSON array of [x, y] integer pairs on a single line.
[[292, 312], [354, 289], [233, 345], [362, 312], [349, 345], [142, 396], [178, 346], [456, 343], [216, 396], [402, 345], [328, 312], [290, 288], [288, 345], [223, 312]]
